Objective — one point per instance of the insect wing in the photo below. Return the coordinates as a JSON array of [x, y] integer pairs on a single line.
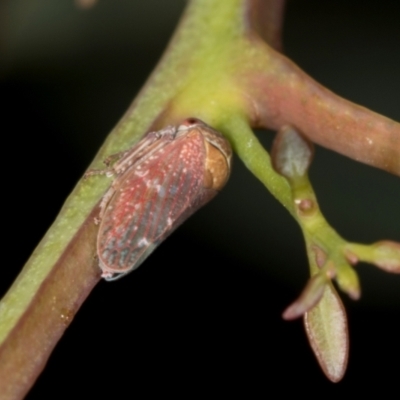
[[151, 200]]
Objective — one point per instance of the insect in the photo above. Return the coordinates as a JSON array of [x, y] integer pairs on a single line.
[[158, 184]]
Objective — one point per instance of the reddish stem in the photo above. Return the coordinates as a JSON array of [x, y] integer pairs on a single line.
[[285, 95], [24, 353]]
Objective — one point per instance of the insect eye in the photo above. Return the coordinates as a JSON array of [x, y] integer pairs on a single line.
[[192, 121], [188, 123]]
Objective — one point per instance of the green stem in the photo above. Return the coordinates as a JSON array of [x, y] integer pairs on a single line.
[[217, 68]]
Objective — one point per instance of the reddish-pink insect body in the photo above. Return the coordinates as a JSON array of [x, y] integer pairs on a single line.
[[158, 183]]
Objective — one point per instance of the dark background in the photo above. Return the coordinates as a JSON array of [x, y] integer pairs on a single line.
[[203, 312]]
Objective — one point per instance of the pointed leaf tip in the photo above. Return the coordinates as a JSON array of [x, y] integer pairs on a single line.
[[348, 281], [327, 331], [309, 297]]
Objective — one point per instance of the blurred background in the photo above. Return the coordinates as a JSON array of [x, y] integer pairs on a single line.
[[203, 312]]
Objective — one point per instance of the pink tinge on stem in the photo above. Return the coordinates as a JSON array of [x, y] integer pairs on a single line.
[[282, 94], [25, 351]]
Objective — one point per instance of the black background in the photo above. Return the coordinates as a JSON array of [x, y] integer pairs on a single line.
[[203, 312]]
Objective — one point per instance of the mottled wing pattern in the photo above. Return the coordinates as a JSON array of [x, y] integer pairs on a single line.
[[149, 202]]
